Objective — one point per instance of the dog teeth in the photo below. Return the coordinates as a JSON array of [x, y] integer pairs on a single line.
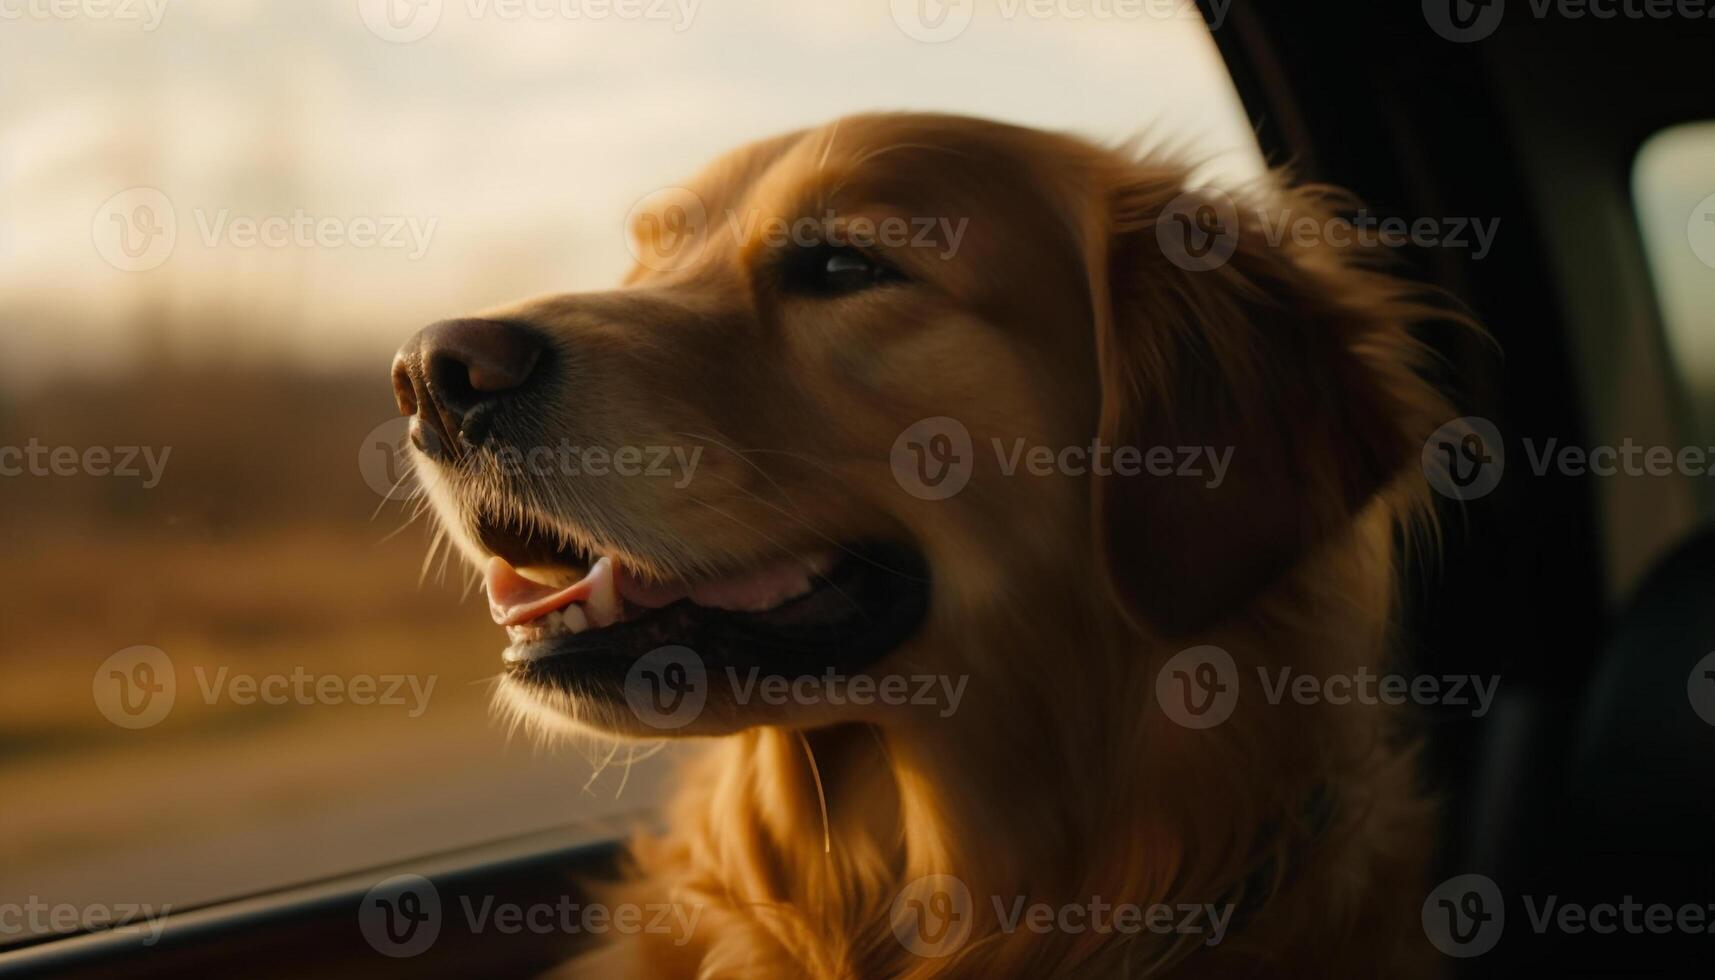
[[525, 637], [602, 606]]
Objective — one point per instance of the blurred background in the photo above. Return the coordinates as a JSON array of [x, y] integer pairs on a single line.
[[218, 218]]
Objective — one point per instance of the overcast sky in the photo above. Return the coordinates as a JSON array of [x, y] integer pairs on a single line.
[[507, 143]]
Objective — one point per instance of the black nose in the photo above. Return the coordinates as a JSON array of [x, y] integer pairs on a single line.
[[452, 373]]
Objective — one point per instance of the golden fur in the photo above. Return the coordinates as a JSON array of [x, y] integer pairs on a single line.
[[1060, 778]]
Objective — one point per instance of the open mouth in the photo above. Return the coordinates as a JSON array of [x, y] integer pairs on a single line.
[[577, 621]]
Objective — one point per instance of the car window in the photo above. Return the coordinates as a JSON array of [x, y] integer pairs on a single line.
[[232, 658], [1673, 183]]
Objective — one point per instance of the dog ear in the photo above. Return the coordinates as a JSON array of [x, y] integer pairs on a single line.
[[1216, 331]]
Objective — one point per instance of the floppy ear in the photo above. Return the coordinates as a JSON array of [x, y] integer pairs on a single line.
[[1294, 357]]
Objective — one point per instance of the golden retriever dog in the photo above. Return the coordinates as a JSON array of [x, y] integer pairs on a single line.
[[836, 484]]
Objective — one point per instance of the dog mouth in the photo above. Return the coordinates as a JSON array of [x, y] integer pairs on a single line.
[[577, 619]]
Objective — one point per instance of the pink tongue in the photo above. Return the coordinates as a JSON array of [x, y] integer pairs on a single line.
[[514, 600]]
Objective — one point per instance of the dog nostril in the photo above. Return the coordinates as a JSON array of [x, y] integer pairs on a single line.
[[468, 361], [404, 392], [449, 370]]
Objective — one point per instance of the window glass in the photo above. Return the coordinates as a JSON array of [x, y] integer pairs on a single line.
[[220, 672], [1674, 186]]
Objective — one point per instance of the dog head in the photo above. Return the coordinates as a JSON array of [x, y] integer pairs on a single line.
[[877, 390]]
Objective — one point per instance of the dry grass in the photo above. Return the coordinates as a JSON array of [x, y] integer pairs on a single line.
[[257, 553]]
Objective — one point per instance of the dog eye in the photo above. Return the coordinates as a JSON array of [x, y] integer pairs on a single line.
[[833, 270]]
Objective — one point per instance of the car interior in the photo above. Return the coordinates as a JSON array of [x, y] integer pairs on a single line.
[[1590, 600]]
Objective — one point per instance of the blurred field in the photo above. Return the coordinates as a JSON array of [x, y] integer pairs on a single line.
[[257, 553]]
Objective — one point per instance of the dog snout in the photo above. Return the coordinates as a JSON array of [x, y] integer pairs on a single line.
[[451, 375]]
